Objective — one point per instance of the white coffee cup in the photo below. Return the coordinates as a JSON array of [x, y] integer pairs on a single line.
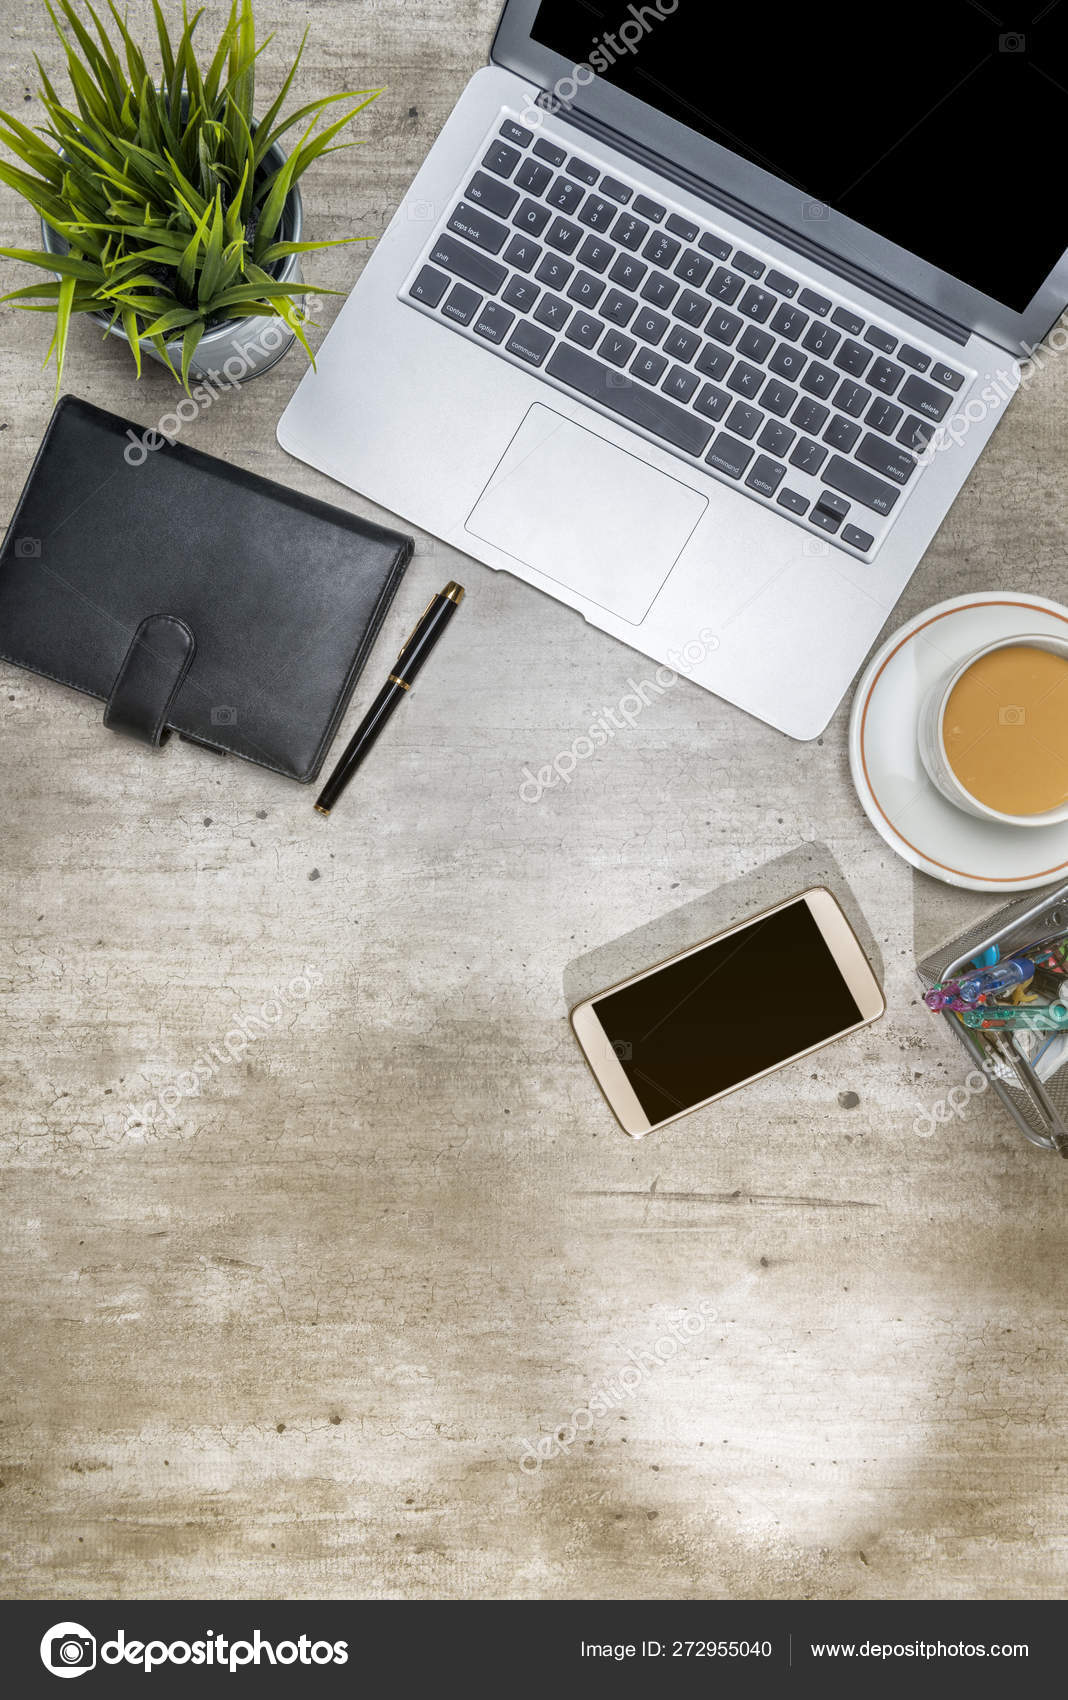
[[931, 735]]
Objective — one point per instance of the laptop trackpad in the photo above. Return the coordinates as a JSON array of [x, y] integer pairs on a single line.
[[586, 514]]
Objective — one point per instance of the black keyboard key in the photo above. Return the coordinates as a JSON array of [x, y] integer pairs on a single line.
[[582, 170], [921, 396], [523, 253], [692, 267], [549, 150], [915, 433], [819, 380], [789, 322], [817, 304], [521, 294], [463, 304], [766, 476], [714, 362], [841, 433], [778, 398], [946, 375], [790, 499], [756, 303], [754, 344], [725, 286], [597, 213], [494, 322], [913, 357], [860, 486], [565, 196], [532, 177], [781, 284], [661, 250], [743, 262], [745, 380], [429, 286], [851, 398], [501, 160], [856, 538], [629, 232], [681, 227], [853, 358], [728, 455], [691, 309], [894, 464], [660, 290], [776, 438], [682, 344], [743, 420], [643, 407], [715, 245], [586, 289], [552, 312], [648, 366], [712, 403], [617, 349], [883, 415], [787, 362], [596, 254], [645, 208], [809, 416], [822, 340], [808, 456], [628, 272], [473, 267], [618, 191], [619, 309], [649, 326], [478, 227], [847, 321], [824, 519], [584, 329], [680, 384], [562, 236], [531, 217], [832, 504], [491, 193], [554, 271], [724, 327], [880, 339], [885, 375], [513, 132], [530, 343]]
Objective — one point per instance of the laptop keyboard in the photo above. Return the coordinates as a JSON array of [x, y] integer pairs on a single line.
[[663, 323]]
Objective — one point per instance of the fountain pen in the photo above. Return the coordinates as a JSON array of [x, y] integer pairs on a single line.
[[414, 652]]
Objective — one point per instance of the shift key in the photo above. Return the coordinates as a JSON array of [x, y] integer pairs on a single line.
[[861, 486], [462, 261]]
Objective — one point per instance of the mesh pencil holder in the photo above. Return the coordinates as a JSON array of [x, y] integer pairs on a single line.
[[1038, 1107]]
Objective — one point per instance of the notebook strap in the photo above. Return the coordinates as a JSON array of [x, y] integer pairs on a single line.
[[155, 665]]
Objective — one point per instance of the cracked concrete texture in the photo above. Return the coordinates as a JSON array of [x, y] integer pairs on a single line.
[[289, 1339]]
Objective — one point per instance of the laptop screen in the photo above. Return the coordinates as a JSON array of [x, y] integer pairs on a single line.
[[937, 131]]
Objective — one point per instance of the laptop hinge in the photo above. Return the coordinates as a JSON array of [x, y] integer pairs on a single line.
[[689, 180]]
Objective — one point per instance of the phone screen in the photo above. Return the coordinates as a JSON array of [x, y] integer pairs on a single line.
[[732, 1009]]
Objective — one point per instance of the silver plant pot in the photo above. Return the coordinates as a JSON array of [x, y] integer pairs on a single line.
[[237, 349]]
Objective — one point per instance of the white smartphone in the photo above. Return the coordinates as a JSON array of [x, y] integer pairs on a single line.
[[728, 1011]]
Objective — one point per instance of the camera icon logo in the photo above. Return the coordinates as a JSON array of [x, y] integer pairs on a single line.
[[813, 209], [224, 716], [1012, 715], [68, 1649], [27, 548], [1012, 42], [421, 212], [623, 1048], [814, 546], [618, 381]]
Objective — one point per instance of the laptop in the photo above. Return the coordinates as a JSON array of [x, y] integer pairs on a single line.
[[698, 317]]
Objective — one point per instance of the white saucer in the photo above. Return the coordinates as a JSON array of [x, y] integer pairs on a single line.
[[896, 794]]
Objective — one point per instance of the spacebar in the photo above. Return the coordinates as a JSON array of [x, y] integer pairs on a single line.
[[633, 402]]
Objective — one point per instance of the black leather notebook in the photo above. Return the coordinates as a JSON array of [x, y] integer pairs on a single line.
[[189, 595]]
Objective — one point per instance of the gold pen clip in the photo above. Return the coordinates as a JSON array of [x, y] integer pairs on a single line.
[[418, 623]]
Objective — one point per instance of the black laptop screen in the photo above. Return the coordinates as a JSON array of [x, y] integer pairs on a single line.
[[941, 128]]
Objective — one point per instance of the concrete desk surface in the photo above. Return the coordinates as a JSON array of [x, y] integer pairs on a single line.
[[290, 1339]]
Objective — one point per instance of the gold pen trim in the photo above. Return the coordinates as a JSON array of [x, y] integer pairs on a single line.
[[393, 679]]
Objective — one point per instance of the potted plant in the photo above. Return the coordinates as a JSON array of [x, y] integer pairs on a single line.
[[170, 214]]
